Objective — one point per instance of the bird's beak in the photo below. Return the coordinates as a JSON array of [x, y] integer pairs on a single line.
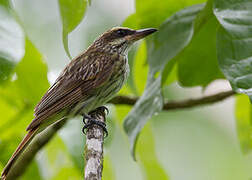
[[139, 34]]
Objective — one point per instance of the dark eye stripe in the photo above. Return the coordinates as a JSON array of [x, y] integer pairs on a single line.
[[123, 32]]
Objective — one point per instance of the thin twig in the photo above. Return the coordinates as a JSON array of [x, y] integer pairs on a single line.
[[189, 103], [206, 100], [94, 149]]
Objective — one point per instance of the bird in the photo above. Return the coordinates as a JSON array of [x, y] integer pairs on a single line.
[[86, 83]]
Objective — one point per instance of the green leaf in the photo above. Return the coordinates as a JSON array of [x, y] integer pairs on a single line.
[[151, 13], [243, 113], [171, 38], [72, 12], [173, 35], [149, 103], [140, 69], [131, 21], [5, 3], [11, 44], [31, 73], [159, 12], [146, 151], [234, 43], [198, 64], [169, 74]]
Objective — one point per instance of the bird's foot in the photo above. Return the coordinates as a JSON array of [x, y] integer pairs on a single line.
[[89, 121], [86, 117], [92, 122]]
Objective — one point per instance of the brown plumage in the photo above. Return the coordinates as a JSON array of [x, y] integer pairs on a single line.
[[87, 82]]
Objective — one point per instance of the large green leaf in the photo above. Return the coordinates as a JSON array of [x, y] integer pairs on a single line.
[[151, 13], [72, 12], [131, 21], [172, 37], [243, 113], [5, 3], [31, 72], [234, 43], [197, 64], [11, 44], [150, 102]]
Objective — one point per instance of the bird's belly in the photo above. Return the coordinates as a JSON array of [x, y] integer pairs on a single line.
[[109, 90], [103, 94], [113, 86]]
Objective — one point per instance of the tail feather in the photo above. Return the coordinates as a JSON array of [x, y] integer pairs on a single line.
[[21, 147]]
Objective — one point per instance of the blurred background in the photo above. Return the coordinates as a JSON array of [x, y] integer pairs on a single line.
[[193, 144]]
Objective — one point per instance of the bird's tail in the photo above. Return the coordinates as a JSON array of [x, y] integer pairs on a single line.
[[21, 147]]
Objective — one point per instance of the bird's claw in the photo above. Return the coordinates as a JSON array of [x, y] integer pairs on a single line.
[[86, 117], [91, 122]]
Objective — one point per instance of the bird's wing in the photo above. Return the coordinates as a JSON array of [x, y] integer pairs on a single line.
[[75, 83]]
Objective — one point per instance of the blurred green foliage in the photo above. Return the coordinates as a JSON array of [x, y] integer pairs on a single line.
[[195, 45], [243, 124]]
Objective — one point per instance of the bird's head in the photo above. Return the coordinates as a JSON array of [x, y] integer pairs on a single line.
[[119, 39]]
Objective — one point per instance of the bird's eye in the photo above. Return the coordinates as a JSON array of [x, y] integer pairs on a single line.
[[121, 32]]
